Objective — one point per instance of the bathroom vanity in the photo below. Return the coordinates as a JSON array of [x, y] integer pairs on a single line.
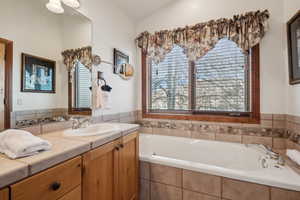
[[108, 170]]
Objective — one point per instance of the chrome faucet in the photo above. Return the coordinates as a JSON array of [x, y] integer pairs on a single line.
[[77, 123], [273, 155]]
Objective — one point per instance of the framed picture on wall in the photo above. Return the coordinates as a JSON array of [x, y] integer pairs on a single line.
[[38, 74], [120, 58], [293, 34]]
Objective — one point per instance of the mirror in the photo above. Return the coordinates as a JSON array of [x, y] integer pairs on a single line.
[[44, 35], [77, 34], [80, 92]]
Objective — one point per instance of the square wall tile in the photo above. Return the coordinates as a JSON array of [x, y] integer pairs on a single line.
[[144, 170], [165, 192], [145, 130], [281, 194], [239, 190], [161, 131], [144, 190], [56, 126], [200, 182], [264, 116], [279, 124], [188, 195], [179, 133], [247, 139], [203, 136], [166, 175], [290, 144], [229, 138], [34, 130], [266, 123], [279, 143]]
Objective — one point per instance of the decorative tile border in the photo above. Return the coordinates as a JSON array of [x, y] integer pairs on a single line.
[[273, 130], [37, 126], [27, 118]]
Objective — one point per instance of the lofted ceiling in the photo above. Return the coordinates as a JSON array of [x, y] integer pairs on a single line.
[[139, 9]]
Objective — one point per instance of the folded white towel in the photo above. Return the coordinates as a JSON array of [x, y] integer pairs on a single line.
[[18, 143], [294, 155]]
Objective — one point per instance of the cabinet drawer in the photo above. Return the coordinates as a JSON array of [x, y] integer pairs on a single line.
[[51, 184], [73, 195]]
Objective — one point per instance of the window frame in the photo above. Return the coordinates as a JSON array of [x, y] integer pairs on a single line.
[[252, 117]]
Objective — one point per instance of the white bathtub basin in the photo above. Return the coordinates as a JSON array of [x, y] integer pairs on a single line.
[[231, 160], [92, 130]]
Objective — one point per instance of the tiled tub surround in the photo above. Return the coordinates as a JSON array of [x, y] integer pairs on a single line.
[[64, 148], [230, 160], [160, 182]]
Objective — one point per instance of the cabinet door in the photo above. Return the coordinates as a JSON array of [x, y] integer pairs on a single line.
[[100, 173], [4, 194], [128, 167]]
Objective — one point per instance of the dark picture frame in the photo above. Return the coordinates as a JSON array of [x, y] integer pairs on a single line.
[[119, 59], [37, 74], [293, 35]]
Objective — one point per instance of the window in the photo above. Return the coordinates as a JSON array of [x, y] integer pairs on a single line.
[[221, 86]]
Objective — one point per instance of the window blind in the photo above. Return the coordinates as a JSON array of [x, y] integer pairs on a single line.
[[83, 84], [170, 82], [221, 79], [218, 82]]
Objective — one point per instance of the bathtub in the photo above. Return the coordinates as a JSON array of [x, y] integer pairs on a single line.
[[248, 163]]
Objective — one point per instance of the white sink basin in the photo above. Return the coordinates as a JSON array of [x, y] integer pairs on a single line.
[[92, 130]]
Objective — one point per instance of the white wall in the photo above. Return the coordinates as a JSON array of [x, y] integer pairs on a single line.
[[113, 29], [76, 31], [35, 31], [273, 71], [293, 98]]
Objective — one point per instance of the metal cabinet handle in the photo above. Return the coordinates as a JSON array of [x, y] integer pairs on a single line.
[[55, 186]]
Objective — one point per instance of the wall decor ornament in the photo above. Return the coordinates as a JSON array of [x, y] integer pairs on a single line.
[[38, 74], [293, 35], [120, 58], [126, 71], [246, 30]]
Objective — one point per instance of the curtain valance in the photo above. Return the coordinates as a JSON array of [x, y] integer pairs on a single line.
[[83, 55], [245, 30]]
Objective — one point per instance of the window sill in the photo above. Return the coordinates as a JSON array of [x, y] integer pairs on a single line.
[[204, 117]]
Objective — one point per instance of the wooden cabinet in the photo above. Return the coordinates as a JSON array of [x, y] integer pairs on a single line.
[[128, 167], [100, 173], [111, 171], [4, 194], [52, 184]]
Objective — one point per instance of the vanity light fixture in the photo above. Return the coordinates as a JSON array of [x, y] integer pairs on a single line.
[[55, 6]]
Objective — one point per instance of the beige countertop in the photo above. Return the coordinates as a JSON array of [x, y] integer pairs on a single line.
[[63, 148]]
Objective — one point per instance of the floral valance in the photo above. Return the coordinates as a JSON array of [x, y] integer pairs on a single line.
[[83, 55], [245, 30]]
